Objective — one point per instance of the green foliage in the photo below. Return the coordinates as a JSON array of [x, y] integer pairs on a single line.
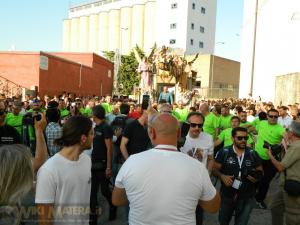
[[128, 76]]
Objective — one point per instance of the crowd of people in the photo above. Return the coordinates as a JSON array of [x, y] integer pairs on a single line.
[[162, 159]]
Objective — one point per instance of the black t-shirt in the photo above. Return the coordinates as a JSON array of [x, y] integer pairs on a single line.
[[101, 132], [230, 166], [9, 135], [138, 139]]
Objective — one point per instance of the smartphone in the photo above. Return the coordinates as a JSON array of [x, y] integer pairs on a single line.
[[145, 101]]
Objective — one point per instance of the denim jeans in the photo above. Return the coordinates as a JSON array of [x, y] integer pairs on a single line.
[[241, 207]]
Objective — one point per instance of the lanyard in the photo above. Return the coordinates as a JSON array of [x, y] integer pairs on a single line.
[[240, 161]]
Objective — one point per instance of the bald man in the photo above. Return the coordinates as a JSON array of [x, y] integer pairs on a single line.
[[158, 190]]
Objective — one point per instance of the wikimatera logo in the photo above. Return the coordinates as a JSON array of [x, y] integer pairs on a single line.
[[56, 213]]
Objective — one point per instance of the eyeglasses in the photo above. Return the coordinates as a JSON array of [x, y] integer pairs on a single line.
[[242, 137], [199, 125], [271, 116]]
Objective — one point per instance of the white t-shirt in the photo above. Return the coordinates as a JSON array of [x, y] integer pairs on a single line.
[[285, 122], [163, 187], [199, 147], [66, 184]]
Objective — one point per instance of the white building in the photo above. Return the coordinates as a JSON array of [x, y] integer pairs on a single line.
[[277, 46], [107, 25]]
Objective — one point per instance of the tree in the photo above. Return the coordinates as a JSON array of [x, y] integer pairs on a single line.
[[128, 76]]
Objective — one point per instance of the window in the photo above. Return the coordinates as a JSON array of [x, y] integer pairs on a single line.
[[193, 6], [174, 6], [202, 10], [201, 44], [192, 41], [201, 29], [172, 41], [192, 26], [173, 26]]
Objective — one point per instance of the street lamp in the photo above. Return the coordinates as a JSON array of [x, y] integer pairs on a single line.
[[212, 68], [118, 58]]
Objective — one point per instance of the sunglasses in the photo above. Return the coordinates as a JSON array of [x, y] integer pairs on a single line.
[[242, 137], [276, 117], [199, 125]]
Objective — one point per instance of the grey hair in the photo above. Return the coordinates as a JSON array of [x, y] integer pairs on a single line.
[[295, 128], [16, 173]]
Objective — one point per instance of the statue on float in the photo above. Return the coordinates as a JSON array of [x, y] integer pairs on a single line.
[[168, 64]]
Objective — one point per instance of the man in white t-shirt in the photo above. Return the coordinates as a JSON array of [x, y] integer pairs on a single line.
[[200, 146], [284, 119], [162, 185], [64, 181]]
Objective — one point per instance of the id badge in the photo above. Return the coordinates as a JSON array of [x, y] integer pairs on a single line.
[[236, 184]]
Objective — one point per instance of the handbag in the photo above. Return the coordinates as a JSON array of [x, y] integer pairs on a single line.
[[292, 187]]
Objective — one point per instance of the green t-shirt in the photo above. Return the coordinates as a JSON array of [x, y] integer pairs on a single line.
[[226, 135], [242, 124], [273, 134], [88, 112], [225, 122], [15, 121], [182, 113], [82, 111], [176, 115], [256, 122], [107, 107], [211, 123], [64, 113]]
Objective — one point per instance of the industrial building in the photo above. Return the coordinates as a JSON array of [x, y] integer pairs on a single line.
[[120, 25]]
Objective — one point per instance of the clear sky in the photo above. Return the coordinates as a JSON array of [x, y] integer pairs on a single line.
[[36, 25]]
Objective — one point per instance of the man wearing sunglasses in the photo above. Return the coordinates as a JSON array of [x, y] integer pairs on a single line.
[[239, 168], [272, 132], [199, 145]]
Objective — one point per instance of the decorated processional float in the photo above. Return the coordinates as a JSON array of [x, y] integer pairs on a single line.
[[165, 66]]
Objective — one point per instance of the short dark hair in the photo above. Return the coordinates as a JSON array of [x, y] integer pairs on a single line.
[[124, 108], [262, 116], [52, 115], [195, 114], [73, 129], [218, 108], [99, 112], [235, 118], [273, 110], [238, 129]]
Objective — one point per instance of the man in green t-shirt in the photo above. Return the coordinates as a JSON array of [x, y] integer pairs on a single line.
[[225, 118], [15, 119], [226, 134], [268, 131], [182, 111], [64, 112], [243, 117], [35, 109], [212, 119]]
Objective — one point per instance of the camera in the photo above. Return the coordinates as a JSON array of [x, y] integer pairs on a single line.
[[275, 149], [29, 118], [257, 174]]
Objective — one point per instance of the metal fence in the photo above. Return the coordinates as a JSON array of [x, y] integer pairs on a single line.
[[9, 88], [218, 92]]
